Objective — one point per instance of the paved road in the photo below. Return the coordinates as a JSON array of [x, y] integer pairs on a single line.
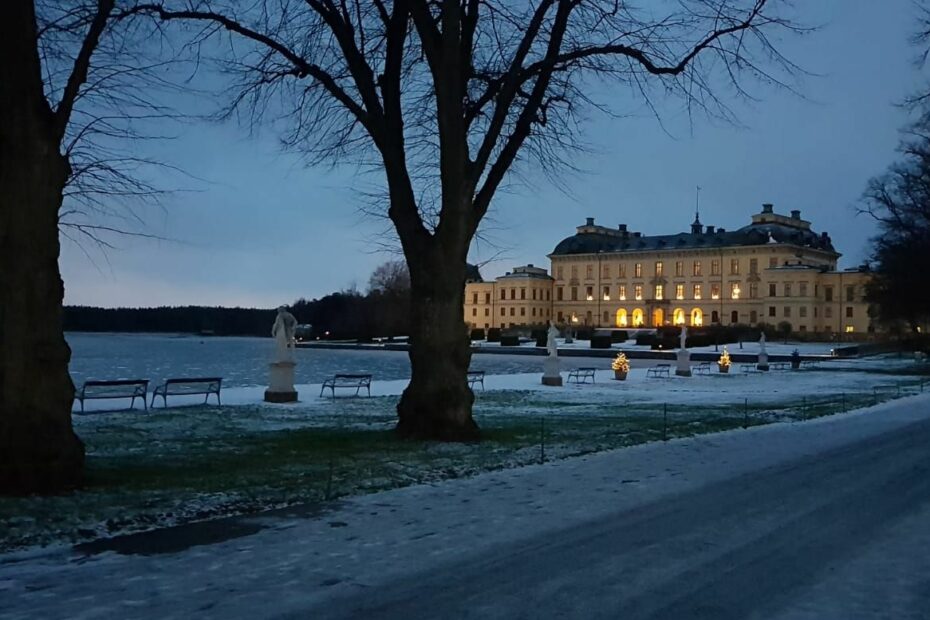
[[845, 534]]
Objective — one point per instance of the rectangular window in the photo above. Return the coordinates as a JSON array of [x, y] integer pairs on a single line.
[[679, 291], [589, 293], [512, 311], [802, 312], [522, 293], [679, 268], [734, 290], [828, 293], [715, 267], [559, 294], [753, 290], [621, 271], [715, 291], [658, 269], [589, 272], [802, 289], [850, 293], [773, 262], [734, 266], [548, 295], [487, 298], [606, 317], [621, 292], [850, 329], [503, 311], [534, 311], [474, 311], [787, 289], [638, 292], [534, 293], [696, 270], [753, 316], [787, 312], [559, 272], [503, 293], [771, 310], [523, 311], [574, 272], [559, 317], [849, 312], [772, 292], [606, 293], [753, 265], [638, 270], [574, 293], [513, 293], [660, 291], [697, 291], [474, 298], [828, 312], [487, 312]]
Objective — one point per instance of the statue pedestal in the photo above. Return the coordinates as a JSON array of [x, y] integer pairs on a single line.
[[763, 363], [683, 368], [281, 383], [551, 374]]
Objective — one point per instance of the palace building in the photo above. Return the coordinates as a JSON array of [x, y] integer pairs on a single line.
[[775, 269]]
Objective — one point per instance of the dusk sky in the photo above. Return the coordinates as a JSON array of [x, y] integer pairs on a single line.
[[261, 229]]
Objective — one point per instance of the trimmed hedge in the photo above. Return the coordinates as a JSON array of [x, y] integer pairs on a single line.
[[494, 334], [509, 340], [619, 335], [600, 342], [477, 334]]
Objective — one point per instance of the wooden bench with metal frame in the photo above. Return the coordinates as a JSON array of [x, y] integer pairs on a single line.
[[702, 369], [347, 381], [659, 370], [581, 375], [120, 388], [188, 386], [475, 376]]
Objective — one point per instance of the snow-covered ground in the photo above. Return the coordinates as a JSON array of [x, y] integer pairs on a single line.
[[292, 562], [750, 347]]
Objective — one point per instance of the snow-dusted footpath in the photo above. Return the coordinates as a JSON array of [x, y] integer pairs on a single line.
[[286, 562]]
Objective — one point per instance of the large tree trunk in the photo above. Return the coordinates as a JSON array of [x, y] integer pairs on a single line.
[[437, 403], [39, 451]]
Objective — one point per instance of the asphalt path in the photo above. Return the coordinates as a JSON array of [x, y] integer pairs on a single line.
[[787, 541]]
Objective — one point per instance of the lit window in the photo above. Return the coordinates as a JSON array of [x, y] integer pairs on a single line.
[[679, 268], [658, 269], [850, 329], [638, 270], [734, 266], [697, 291], [589, 293], [715, 291], [638, 292], [715, 267], [606, 294], [621, 292], [697, 268], [680, 292], [660, 291], [621, 270], [734, 290]]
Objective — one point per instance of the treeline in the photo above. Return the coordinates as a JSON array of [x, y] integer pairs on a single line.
[[383, 312]]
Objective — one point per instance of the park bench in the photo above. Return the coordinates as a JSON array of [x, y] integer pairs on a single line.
[[659, 370], [749, 369], [810, 364], [475, 376], [187, 386], [581, 375], [348, 382], [702, 369], [121, 388], [780, 365]]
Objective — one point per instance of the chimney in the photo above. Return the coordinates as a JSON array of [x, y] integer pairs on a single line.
[[589, 221], [720, 231], [767, 207], [795, 215], [710, 229], [637, 234], [530, 265], [621, 227]]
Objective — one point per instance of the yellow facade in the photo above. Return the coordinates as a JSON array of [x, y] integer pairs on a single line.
[[774, 270]]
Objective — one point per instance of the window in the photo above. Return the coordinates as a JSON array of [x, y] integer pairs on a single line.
[[849, 312], [589, 293], [787, 289], [679, 268], [513, 293], [773, 262], [559, 317], [621, 270], [714, 317], [588, 272], [753, 265], [574, 293], [828, 293], [474, 298], [715, 267], [734, 266], [753, 316], [534, 311], [606, 317], [523, 311], [487, 312], [696, 268], [802, 289], [753, 290], [638, 292], [658, 269], [512, 311], [487, 298], [772, 292], [715, 291], [474, 311], [621, 292], [522, 293], [679, 291], [850, 293], [559, 272], [605, 271], [503, 293], [828, 312], [697, 291], [771, 310], [734, 317], [802, 312], [503, 311], [850, 329], [548, 295], [734, 290], [574, 272], [638, 270], [660, 291], [559, 294], [534, 293], [787, 311], [606, 293]]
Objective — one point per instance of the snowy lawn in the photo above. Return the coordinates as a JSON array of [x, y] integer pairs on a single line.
[[182, 464]]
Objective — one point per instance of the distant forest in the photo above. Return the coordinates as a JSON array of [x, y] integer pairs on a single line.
[[382, 312]]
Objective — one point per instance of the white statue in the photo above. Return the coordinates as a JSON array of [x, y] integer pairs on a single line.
[[550, 340], [684, 335], [283, 333], [762, 343]]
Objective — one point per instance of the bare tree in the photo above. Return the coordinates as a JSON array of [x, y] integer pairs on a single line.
[[58, 120], [391, 278], [451, 95]]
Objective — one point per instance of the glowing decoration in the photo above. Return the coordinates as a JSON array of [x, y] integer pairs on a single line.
[[724, 362], [621, 363]]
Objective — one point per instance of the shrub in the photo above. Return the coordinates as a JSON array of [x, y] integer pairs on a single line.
[[510, 340], [600, 342], [477, 334], [494, 334], [619, 335], [584, 333], [645, 339]]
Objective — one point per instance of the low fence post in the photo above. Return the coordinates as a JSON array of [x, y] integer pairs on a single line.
[[745, 413], [664, 421]]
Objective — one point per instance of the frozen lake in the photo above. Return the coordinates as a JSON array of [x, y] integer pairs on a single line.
[[240, 361]]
